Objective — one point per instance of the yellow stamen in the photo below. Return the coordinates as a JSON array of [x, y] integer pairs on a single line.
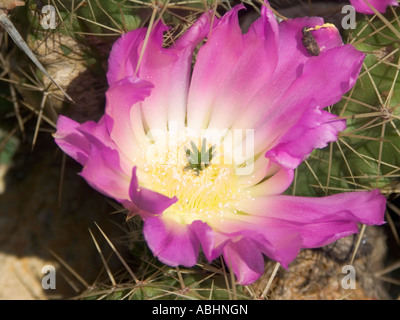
[[325, 25], [201, 195]]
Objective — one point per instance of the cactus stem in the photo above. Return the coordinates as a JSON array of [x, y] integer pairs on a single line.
[[20, 42]]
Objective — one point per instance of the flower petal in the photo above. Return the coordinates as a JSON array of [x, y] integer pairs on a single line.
[[300, 81], [320, 220], [121, 99], [147, 200], [171, 242], [212, 242], [179, 81], [104, 173], [76, 139], [245, 260], [276, 184], [169, 71], [279, 241], [315, 129], [124, 55], [71, 140], [257, 61], [214, 63], [291, 60], [237, 233], [380, 5], [323, 82]]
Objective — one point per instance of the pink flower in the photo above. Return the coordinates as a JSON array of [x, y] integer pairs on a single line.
[[170, 145], [380, 5]]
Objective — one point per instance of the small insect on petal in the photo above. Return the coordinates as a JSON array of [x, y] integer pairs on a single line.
[[10, 4], [309, 42]]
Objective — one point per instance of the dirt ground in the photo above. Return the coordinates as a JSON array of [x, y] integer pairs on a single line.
[[33, 224]]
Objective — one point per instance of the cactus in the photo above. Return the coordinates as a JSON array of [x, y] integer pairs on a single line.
[[75, 52]]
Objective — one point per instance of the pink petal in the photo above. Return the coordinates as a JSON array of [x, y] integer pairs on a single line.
[[245, 260], [155, 67], [300, 81], [323, 82], [380, 5], [248, 72], [243, 241], [214, 63], [242, 250], [334, 72], [212, 242], [98, 136], [171, 242], [76, 139], [147, 200], [89, 143], [179, 81], [291, 59], [71, 140], [169, 71], [262, 168], [280, 242], [121, 99], [276, 184], [124, 55], [97, 133], [103, 172], [320, 220], [314, 130]]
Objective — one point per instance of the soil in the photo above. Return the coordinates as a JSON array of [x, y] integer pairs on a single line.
[[33, 224]]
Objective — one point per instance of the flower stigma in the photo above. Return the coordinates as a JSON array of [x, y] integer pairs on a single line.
[[199, 159], [197, 173]]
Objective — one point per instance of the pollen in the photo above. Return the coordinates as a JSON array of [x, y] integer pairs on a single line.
[[204, 190], [325, 25]]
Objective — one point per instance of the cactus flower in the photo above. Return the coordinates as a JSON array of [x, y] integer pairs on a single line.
[[203, 155]]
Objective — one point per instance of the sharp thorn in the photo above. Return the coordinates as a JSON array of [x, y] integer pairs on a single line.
[[20, 42]]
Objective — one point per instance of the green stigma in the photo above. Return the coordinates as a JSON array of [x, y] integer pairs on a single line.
[[198, 160]]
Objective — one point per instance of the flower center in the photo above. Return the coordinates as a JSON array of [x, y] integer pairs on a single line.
[[198, 160], [193, 171]]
